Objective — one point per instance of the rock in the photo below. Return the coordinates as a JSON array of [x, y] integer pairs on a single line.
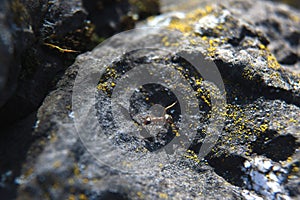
[[111, 17], [293, 3], [282, 28], [277, 22], [13, 150], [45, 39], [38, 41], [7, 50], [36, 32], [260, 178], [256, 156]]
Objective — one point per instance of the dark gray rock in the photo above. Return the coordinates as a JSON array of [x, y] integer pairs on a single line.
[[32, 26], [113, 16], [43, 38], [280, 25], [6, 50], [256, 156], [29, 69], [38, 41]]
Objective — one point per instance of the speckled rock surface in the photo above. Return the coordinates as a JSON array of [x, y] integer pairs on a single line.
[[257, 154], [38, 41]]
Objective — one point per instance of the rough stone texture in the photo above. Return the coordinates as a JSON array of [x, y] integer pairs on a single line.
[[282, 28], [31, 69], [257, 155], [34, 25], [46, 36], [38, 41], [278, 23]]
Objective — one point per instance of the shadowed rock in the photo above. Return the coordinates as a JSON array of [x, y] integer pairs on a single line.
[[262, 113]]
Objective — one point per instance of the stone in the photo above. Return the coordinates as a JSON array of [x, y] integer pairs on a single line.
[[7, 50], [37, 28], [260, 137], [43, 38], [38, 41]]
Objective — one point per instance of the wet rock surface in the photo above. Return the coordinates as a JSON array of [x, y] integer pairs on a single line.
[[257, 154]]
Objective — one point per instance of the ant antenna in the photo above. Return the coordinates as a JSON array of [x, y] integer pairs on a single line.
[[170, 106]]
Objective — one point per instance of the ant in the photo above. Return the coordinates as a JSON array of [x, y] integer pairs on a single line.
[[164, 118]]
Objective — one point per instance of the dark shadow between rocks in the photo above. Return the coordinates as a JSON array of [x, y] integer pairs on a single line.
[[277, 148], [229, 167], [13, 151], [108, 195]]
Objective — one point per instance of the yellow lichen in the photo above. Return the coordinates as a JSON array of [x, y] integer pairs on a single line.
[[76, 170], [271, 59], [262, 47], [295, 18], [295, 169], [186, 24], [85, 180], [57, 164], [213, 44], [206, 100], [192, 156], [140, 195], [162, 195], [264, 127], [71, 181], [72, 197], [272, 62], [292, 120], [53, 137], [83, 197], [102, 86], [289, 159]]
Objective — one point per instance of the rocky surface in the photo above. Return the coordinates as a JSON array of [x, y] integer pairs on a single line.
[[257, 154], [122, 14], [38, 41], [33, 27], [41, 39]]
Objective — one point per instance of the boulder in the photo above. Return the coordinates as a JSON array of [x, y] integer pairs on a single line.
[[256, 155]]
